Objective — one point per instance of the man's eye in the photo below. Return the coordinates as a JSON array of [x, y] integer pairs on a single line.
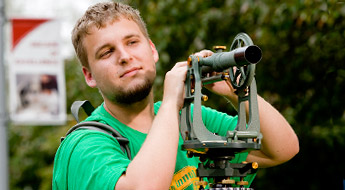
[[132, 42], [106, 53]]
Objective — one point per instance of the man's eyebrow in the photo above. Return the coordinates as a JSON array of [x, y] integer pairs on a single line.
[[131, 36]]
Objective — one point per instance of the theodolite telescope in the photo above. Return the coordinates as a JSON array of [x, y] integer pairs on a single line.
[[237, 66], [221, 61], [236, 58]]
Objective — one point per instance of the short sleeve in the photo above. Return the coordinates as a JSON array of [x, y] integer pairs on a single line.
[[218, 122], [96, 162]]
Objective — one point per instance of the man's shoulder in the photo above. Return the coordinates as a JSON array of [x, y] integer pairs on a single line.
[[84, 138], [81, 152]]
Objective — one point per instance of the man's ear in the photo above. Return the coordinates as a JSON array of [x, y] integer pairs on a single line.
[[154, 51], [90, 81]]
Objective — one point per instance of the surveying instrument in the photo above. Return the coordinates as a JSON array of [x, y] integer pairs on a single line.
[[215, 152]]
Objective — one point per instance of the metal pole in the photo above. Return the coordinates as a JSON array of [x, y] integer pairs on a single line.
[[4, 169]]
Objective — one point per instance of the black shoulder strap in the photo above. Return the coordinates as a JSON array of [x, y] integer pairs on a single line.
[[94, 125]]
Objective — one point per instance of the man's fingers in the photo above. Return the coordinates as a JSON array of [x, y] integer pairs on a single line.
[[181, 64], [204, 53]]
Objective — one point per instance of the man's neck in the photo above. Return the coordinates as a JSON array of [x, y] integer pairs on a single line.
[[138, 116]]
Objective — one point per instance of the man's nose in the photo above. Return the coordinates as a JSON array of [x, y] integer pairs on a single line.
[[124, 56]]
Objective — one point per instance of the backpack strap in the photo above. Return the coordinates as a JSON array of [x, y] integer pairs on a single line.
[[85, 104], [97, 126]]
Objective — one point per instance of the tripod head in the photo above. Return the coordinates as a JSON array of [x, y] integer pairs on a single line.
[[215, 152]]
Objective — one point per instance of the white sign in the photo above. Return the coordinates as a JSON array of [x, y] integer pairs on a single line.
[[37, 80]]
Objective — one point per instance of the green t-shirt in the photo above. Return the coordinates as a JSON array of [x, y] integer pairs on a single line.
[[89, 159]]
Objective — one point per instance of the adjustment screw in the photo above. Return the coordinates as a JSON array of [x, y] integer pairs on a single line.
[[219, 48]]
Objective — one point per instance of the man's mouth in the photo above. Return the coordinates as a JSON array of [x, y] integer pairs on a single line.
[[130, 72]]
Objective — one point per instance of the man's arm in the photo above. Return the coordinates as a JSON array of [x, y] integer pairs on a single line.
[[154, 165], [279, 142]]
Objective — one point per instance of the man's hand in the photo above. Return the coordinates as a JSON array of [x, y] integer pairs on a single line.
[[222, 88], [175, 79], [174, 84]]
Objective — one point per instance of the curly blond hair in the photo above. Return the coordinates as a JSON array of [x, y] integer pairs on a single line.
[[100, 15]]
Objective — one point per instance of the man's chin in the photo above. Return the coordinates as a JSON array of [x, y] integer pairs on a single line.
[[135, 95]]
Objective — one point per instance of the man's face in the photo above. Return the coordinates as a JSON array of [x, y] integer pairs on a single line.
[[121, 61]]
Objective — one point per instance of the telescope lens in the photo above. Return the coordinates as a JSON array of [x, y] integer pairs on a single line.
[[253, 54]]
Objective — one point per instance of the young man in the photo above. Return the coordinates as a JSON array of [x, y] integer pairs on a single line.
[[118, 58]]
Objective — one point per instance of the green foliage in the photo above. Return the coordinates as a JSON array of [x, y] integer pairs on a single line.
[[302, 74], [32, 154]]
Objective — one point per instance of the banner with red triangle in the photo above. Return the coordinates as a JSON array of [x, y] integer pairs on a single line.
[[36, 73]]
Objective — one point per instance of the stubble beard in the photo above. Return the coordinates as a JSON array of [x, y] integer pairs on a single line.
[[133, 95]]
